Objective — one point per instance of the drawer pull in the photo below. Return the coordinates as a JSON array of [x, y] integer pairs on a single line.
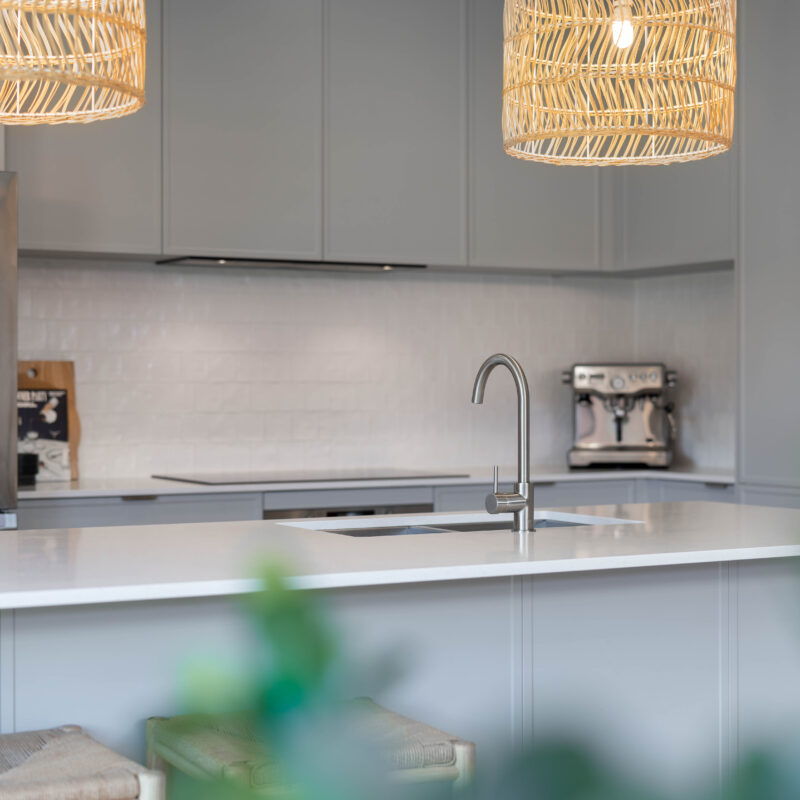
[[138, 498], [713, 485]]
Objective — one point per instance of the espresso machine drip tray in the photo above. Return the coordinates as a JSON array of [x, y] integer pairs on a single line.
[[623, 415], [578, 458]]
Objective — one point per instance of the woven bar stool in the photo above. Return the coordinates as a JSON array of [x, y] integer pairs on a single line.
[[66, 764], [416, 752]]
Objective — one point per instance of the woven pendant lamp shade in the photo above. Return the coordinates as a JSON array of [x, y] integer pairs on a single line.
[[70, 60], [598, 82]]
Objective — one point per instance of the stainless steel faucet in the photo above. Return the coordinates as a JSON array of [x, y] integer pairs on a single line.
[[519, 501]]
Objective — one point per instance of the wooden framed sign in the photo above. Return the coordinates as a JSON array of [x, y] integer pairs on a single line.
[[48, 422]]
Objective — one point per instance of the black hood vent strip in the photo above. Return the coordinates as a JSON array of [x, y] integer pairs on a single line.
[[269, 263]]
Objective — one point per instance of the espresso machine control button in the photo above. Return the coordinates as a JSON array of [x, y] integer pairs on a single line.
[[618, 382]]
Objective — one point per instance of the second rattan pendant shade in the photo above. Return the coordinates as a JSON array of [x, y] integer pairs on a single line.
[[70, 60], [579, 89]]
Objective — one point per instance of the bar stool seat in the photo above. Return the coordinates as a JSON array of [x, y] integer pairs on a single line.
[[66, 764], [415, 752]]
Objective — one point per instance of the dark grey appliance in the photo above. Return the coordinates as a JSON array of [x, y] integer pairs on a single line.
[[8, 351], [622, 415]]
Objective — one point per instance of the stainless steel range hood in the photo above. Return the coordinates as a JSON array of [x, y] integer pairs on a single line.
[[269, 263]]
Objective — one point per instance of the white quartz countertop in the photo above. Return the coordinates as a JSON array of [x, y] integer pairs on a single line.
[[156, 562], [142, 487]]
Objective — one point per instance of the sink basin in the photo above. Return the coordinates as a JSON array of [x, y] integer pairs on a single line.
[[460, 522], [466, 527]]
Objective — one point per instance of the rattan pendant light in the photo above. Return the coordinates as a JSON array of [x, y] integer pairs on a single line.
[[70, 60], [599, 82]]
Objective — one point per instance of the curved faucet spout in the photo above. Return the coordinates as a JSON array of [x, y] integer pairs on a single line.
[[524, 406]]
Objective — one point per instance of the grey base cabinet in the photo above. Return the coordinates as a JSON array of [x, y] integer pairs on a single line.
[[673, 491], [767, 496], [546, 495], [138, 510], [590, 493]]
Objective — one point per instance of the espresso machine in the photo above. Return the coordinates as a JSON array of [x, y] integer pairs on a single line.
[[622, 415]]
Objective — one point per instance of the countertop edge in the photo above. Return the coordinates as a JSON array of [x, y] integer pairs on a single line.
[[412, 575]]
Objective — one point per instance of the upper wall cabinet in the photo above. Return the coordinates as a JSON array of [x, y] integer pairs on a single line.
[[243, 128], [396, 140], [522, 214], [676, 215], [94, 188]]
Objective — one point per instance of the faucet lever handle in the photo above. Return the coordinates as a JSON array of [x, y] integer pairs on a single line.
[[496, 479]]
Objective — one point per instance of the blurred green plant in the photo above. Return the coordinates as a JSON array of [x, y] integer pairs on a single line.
[[291, 698]]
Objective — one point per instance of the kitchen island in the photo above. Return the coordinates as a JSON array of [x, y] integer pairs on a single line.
[[665, 633]]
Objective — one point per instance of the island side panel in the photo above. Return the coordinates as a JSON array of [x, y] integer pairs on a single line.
[[768, 652], [110, 667], [445, 653], [442, 653], [632, 663]]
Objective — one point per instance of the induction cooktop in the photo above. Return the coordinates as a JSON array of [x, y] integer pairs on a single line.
[[306, 476]]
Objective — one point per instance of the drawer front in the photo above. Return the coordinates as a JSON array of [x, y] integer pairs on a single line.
[[461, 498], [768, 496], [138, 510], [584, 493], [545, 495], [347, 499], [672, 491]]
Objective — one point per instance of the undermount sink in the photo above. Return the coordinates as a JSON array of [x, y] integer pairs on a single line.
[[458, 522], [465, 527]]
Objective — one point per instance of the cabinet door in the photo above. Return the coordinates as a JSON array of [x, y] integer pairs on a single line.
[[766, 496], [396, 131], [138, 510], [583, 493], [545, 495], [671, 491], [677, 215], [94, 188], [522, 214], [243, 128], [770, 243]]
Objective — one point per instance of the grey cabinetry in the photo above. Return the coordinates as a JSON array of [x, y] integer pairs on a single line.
[[138, 510], [670, 491], [770, 244], [522, 215], [396, 131], [243, 128], [545, 495], [682, 214], [94, 188]]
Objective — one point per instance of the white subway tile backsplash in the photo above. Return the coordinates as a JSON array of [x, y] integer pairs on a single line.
[[181, 369]]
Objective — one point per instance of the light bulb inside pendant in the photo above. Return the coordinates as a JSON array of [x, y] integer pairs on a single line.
[[622, 24]]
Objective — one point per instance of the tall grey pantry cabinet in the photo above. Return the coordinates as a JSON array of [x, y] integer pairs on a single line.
[[94, 188], [243, 128], [769, 275]]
